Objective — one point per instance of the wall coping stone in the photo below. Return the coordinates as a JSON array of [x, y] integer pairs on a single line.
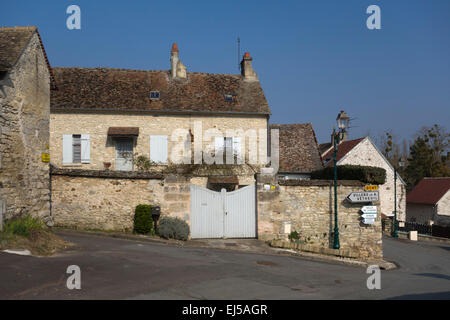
[[299, 182], [105, 174]]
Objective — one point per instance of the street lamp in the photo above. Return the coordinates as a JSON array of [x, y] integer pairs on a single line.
[[395, 228], [342, 122]]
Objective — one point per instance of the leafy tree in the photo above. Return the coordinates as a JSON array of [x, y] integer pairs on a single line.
[[429, 155]]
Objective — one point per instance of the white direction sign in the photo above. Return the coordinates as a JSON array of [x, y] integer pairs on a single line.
[[363, 196], [369, 215], [369, 209], [368, 221]]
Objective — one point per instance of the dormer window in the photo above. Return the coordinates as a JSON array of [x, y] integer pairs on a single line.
[[154, 95], [229, 98]]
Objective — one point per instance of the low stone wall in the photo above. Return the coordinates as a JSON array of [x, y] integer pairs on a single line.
[[106, 200], [307, 206]]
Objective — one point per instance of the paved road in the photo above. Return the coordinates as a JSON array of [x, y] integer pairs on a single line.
[[123, 269]]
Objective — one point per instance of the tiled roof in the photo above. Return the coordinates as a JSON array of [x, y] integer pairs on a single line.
[[84, 89], [324, 147], [343, 148], [13, 41], [299, 151], [429, 191]]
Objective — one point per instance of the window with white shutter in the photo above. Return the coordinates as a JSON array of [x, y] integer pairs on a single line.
[[159, 149], [85, 149], [76, 148]]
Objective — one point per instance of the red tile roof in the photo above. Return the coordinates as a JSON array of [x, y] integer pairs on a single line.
[[343, 148], [106, 89], [429, 191]]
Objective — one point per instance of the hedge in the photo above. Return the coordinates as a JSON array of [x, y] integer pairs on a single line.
[[143, 219], [366, 174]]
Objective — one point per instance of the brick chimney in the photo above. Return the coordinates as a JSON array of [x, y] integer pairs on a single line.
[[177, 68], [247, 69]]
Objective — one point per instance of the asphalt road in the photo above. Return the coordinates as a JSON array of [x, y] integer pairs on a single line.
[[124, 269]]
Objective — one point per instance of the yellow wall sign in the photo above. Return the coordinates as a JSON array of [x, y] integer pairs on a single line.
[[45, 157], [371, 188]]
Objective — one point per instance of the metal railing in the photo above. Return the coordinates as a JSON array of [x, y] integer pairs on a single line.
[[425, 229]]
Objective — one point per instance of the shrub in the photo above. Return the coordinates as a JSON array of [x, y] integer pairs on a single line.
[[174, 228], [143, 219], [366, 174], [23, 226], [294, 235]]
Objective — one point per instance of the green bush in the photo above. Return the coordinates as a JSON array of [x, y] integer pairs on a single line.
[[173, 228], [294, 235], [143, 219], [366, 174], [23, 226]]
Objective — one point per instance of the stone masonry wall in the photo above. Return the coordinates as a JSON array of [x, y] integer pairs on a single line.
[[24, 135], [308, 208], [106, 200], [103, 149]]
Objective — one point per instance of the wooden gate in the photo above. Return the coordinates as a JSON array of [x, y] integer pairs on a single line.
[[223, 214]]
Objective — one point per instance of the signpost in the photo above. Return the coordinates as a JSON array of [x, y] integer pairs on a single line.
[[356, 197], [370, 187], [369, 221], [369, 214]]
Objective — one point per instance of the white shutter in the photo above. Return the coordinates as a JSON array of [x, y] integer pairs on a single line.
[[237, 149], [219, 145], [67, 148], [158, 149], [85, 149]]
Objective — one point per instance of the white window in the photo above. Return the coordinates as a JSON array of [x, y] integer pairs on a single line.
[[229, 148], [76, 148], [158, 149]]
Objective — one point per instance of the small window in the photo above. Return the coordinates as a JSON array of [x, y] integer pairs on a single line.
[[76, 148], [229, 98], [154, 95]]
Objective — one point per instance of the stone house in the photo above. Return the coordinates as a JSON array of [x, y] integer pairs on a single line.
[[298, 150], [25, 82], [363, 151], [429, 202], [101, 116], [104, 118]]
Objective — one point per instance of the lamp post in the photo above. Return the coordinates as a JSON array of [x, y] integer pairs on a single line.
[[395, 227], [342, 122]]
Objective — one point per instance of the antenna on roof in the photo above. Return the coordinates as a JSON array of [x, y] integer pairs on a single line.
[[239, 52]]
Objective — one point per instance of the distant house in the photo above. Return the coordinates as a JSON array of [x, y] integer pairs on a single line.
[[429, 202], [363, 151], [298, 150], [25, 81]]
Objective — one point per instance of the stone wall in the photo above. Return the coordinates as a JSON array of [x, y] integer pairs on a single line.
[[308, 208], [24, 135], [102, 148], [106, 200]]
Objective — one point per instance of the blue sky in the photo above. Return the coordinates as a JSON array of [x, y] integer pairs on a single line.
[[313, 57]]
